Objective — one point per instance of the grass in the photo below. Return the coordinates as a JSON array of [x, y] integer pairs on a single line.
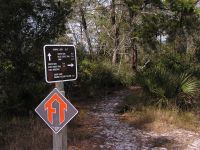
[[33, 134], [77, 129], [24, 133], [144, 116]]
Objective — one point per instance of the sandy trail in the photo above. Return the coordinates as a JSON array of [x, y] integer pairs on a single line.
[[119, 135]]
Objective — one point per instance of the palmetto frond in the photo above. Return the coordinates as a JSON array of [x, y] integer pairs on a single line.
[[188, 84]]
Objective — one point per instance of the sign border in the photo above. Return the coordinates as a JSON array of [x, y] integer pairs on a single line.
[[46, 66], [56, 90]]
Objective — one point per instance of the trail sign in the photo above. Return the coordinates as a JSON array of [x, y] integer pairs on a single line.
[[60, 63], [56, 110]]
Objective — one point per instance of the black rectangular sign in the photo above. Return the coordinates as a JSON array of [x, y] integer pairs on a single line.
[[60, 63]]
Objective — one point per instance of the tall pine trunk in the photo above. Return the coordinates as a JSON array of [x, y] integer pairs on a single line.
[[116, 34], [133, 45], [84, 24], [134, 56]]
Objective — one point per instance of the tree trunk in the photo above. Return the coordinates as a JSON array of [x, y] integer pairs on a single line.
[[115, 58], [84, 24], [133, 46], [134, 57], [116, 34]]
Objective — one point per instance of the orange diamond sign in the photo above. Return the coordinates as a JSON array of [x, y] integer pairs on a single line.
[[56, 110]]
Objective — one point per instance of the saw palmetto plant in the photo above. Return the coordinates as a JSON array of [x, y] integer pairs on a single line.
[[165, 86]]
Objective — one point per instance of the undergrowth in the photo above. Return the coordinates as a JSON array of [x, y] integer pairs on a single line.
[[142, 114]]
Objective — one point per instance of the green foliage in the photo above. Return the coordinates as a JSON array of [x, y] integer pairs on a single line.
[[104, 74], [177, 63], [167, 80], [197, 52], [183, 6], [152, 27], [196, 70], [25, 26], [134, 6], [86, 69], [96, 74], [126, 75], [188, 84]]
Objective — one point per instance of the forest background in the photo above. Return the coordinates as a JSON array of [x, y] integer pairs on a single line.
[[153, 44]]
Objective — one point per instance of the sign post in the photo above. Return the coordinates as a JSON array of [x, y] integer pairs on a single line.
[[60, 139], [56, 111]]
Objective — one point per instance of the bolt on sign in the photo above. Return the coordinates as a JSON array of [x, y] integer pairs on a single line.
[[56, 110], [60, 63]]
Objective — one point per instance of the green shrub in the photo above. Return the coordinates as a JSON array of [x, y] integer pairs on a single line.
[[126, 76], [195, 69], [86, 71], [103, 74], [173, 61], [168, 82]]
